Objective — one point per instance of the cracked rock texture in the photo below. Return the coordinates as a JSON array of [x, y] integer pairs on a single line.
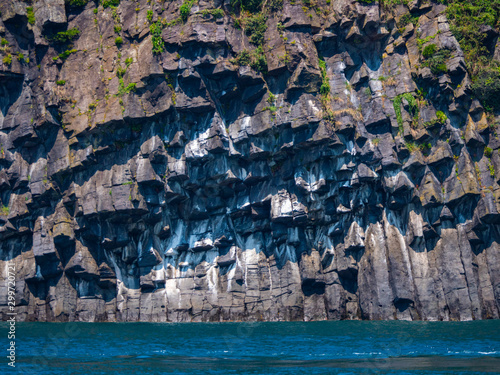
[[212, 192]]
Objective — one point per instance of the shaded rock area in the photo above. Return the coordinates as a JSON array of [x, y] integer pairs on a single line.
[[181, 186]]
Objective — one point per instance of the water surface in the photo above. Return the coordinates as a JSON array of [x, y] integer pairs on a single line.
[[345, 347]]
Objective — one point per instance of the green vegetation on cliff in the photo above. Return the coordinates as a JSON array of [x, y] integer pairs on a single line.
[[248, 5], [108, 3], [4, 210], [472, 22], [31, 15], [255, 28], [66, 36], [185, 9], [7, 60], [76, 3], [413, 106], [255, 59], [156, 40]]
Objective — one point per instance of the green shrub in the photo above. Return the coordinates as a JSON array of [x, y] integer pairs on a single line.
[[429, 51], [185, 9], [118, 41], [437, 63], [217, 13], [7, 60], [411, 146], [120, 72], [407, 19], [441, 117], [491, 168], [4, 210], [4, 42], [130, 87], [20, 56], [61, 82], [259, 62], [255, 28], [488, 151], [66, 36], [76, 3], [31, 15], [391, 3], [109, 3], [271, 108], [244, 58], [486, 86], [397, 108], [252, 6], [157, 41], [325, 85], [438, 68], [149, 15], [256, 59], [64, 55], [466, 18], [274, 5]]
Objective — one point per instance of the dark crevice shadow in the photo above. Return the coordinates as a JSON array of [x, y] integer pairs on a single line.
[[310, 287], [403, 304]]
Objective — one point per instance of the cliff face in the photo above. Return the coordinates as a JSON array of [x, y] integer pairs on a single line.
[[307, 161]]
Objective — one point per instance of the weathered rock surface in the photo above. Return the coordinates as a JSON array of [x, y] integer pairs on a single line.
[[181, 187]]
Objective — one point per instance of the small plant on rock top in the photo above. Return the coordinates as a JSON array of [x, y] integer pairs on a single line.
[[31, 15], [76, 3], [156, 39], [429, 51], [491, 168], [325, 83], [109, 3], [251, 6], [7, 60], [4, 210], [65, 36], [255, 28], [64, 55], [412, 103], [441, 117], [185, 10], [488, 151]]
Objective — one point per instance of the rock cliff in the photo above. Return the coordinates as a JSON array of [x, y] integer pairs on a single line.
[[214, 161]]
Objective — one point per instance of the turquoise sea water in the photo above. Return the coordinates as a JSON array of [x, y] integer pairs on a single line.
[[345, 347]]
